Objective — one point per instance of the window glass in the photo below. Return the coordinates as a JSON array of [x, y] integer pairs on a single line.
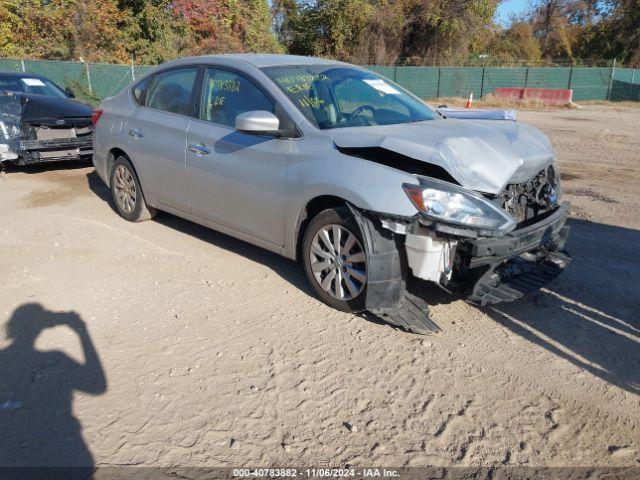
[[350, 94], [171, 91], [140, 89], [226, 95], [336, 96], [40, 86]]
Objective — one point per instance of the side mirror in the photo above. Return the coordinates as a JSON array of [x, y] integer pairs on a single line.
[[69, 92], [257, 122]]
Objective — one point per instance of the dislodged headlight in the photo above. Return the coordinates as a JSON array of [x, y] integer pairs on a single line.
[[451, 204]]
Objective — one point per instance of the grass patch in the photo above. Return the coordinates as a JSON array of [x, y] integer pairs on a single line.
[[492, 101]]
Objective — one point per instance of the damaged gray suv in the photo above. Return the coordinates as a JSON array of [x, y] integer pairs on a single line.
[[343, 170]]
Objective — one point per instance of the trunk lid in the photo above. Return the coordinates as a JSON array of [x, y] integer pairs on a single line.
[[53, 111]]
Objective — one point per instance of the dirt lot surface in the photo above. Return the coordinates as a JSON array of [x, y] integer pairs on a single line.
[[203, 350]]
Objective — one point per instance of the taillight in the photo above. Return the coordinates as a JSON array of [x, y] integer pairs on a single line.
[[95, 116]]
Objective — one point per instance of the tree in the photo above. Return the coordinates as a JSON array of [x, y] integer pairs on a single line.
[[257, 35], [561, 26], [361, 31], [62, 30], [36, 30], [371, 31], [547, 15], [9, 24], [153, 32], [446, 31], [381, 41], [337, 26], [617, 34], [515, 44], [99, 35], [219, 26]]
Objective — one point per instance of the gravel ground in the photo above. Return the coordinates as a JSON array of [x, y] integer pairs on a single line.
[[164, 343]]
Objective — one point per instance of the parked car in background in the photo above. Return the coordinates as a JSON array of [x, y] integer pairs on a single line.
[[343, 170], [41, 122]]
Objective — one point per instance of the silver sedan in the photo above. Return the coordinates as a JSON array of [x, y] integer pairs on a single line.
[[342, 169]]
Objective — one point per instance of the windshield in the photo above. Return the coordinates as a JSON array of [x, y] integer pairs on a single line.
[[335, 97], [26, 84]]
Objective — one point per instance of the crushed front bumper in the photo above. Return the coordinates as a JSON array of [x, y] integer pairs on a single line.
[[499, 269], [485, 269]]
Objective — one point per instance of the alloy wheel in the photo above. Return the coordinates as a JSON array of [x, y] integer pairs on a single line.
[[338, 262], [125, 189]]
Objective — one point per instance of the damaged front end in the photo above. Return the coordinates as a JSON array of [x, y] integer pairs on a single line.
[[504, 268], [35, 130], [489, 248], [491, 270]]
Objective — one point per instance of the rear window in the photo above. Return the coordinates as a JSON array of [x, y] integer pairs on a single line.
[[28, 84], [139, 90], [171, 91]]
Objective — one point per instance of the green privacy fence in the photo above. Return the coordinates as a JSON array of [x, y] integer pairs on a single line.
[[97, 81], [94, 80], [587, 83]]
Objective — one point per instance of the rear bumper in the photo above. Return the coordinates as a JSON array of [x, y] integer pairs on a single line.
[[493, 270], [39, 151], [57, 144]]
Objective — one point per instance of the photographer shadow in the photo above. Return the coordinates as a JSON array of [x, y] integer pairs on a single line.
[[36, 394]]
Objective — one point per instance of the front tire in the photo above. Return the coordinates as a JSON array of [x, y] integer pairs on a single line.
[[127, 192], [335, 259]]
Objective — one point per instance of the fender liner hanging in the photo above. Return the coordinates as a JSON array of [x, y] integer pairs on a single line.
[[387, 270]]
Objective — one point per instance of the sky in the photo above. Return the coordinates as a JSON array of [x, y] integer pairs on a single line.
[[509, 7]]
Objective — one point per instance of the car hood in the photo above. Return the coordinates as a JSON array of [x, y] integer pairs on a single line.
[[480, 155], [45, 109]]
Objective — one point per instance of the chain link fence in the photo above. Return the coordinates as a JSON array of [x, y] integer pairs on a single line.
[[93, 82]]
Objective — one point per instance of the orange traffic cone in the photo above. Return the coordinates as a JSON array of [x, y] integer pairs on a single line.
[[468, 105]]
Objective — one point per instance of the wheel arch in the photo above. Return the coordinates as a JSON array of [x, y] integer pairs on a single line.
[[111, 157], [116, 152], [310, 210], [386, 257]]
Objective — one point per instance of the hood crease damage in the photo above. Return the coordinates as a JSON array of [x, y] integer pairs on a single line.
[[484, 156], [399, 161]]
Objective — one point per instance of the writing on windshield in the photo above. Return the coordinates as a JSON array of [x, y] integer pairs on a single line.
[[335, 97]]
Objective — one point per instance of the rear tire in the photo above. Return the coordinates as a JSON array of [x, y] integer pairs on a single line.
[[127, 192], [335, 259]]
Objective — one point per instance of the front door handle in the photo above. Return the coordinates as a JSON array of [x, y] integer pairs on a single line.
[[136, 132], [199, 149]]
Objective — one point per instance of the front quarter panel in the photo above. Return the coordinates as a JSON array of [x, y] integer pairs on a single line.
[[316, 168]]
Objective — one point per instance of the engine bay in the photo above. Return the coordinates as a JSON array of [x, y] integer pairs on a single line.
[[527, 201]]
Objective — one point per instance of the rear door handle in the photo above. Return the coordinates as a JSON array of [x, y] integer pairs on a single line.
[[136, 132], [199, 149]]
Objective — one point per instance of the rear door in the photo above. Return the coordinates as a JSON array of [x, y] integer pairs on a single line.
[[156, 133], [236, 179]]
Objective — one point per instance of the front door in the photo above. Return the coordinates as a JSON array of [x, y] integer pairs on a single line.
[[236, 179]]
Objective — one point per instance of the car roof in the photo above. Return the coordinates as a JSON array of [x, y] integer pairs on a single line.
[[260, 60], [11, 73]]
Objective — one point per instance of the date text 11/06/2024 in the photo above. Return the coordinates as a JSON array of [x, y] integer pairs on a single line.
[[316, 473]]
